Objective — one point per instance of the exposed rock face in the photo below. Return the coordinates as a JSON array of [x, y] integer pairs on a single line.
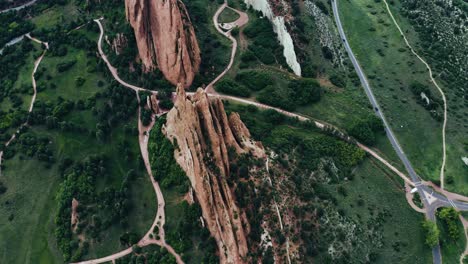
[[165, 38], [119, 43], [153, 103], [202, 133]]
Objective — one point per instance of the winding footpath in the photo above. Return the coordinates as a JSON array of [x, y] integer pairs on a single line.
[[112, 69], [33, 98], [444, 148], [143, 139], [431, 199], [241, 21], [277, 209]]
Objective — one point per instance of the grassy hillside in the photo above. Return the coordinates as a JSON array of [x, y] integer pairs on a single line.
[[391, 70], [64, 130], [357, 218]]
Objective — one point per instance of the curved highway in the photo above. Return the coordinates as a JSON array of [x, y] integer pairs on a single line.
[[431, 199]]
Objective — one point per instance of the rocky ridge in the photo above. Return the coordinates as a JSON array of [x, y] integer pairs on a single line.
[[203, 137], [165, 38]]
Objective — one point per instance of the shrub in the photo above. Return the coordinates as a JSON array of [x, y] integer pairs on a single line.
[[80, 81], [254, 80], [449, 217], [265, 41], [432, 233], [298, 92], [265, 55], [61, 67], [337, 80], [366, 130], [3, 189], [248, 56], [305, 91], [271, 96], [229, 86]]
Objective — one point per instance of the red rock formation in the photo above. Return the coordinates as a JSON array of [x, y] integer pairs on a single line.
[[203, 133], [119, 43], [165, 38]]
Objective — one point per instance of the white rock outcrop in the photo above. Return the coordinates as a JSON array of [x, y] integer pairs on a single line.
[[465, 160], [280, 29]]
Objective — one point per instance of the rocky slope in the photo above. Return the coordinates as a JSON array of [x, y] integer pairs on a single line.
[[203, 137], [165, 38]]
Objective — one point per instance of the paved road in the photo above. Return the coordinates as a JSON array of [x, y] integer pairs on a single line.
[[12, 42], [33, 99], [19, 7], [431, 200], [444, 126]]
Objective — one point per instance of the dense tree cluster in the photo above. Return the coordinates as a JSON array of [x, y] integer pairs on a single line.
[[97, 211], [254, 80], [165, 168], [432, 233], [12, 59], [13, 25], [265, 46], [79, 184], [229, 86], [33, 145], [367, 130], [11, 119], [3, 188], [449, 217], [148, 255], [170, 175], [298, 93]]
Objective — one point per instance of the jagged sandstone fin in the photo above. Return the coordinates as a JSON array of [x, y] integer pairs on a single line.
[[204, 133], [165, 38]]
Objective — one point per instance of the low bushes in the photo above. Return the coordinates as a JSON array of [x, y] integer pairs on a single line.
[[254, 80], [229, 86], [297, 93]]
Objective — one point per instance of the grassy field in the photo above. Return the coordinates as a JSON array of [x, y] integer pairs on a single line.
[[56, 15], [373, 202], [66, 81], [401, 229], [26, 222], [457, 123], [391, 70], [339, 106], [27, 208], [173, 212], [31, 193], [228, 16], [24, 80]]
